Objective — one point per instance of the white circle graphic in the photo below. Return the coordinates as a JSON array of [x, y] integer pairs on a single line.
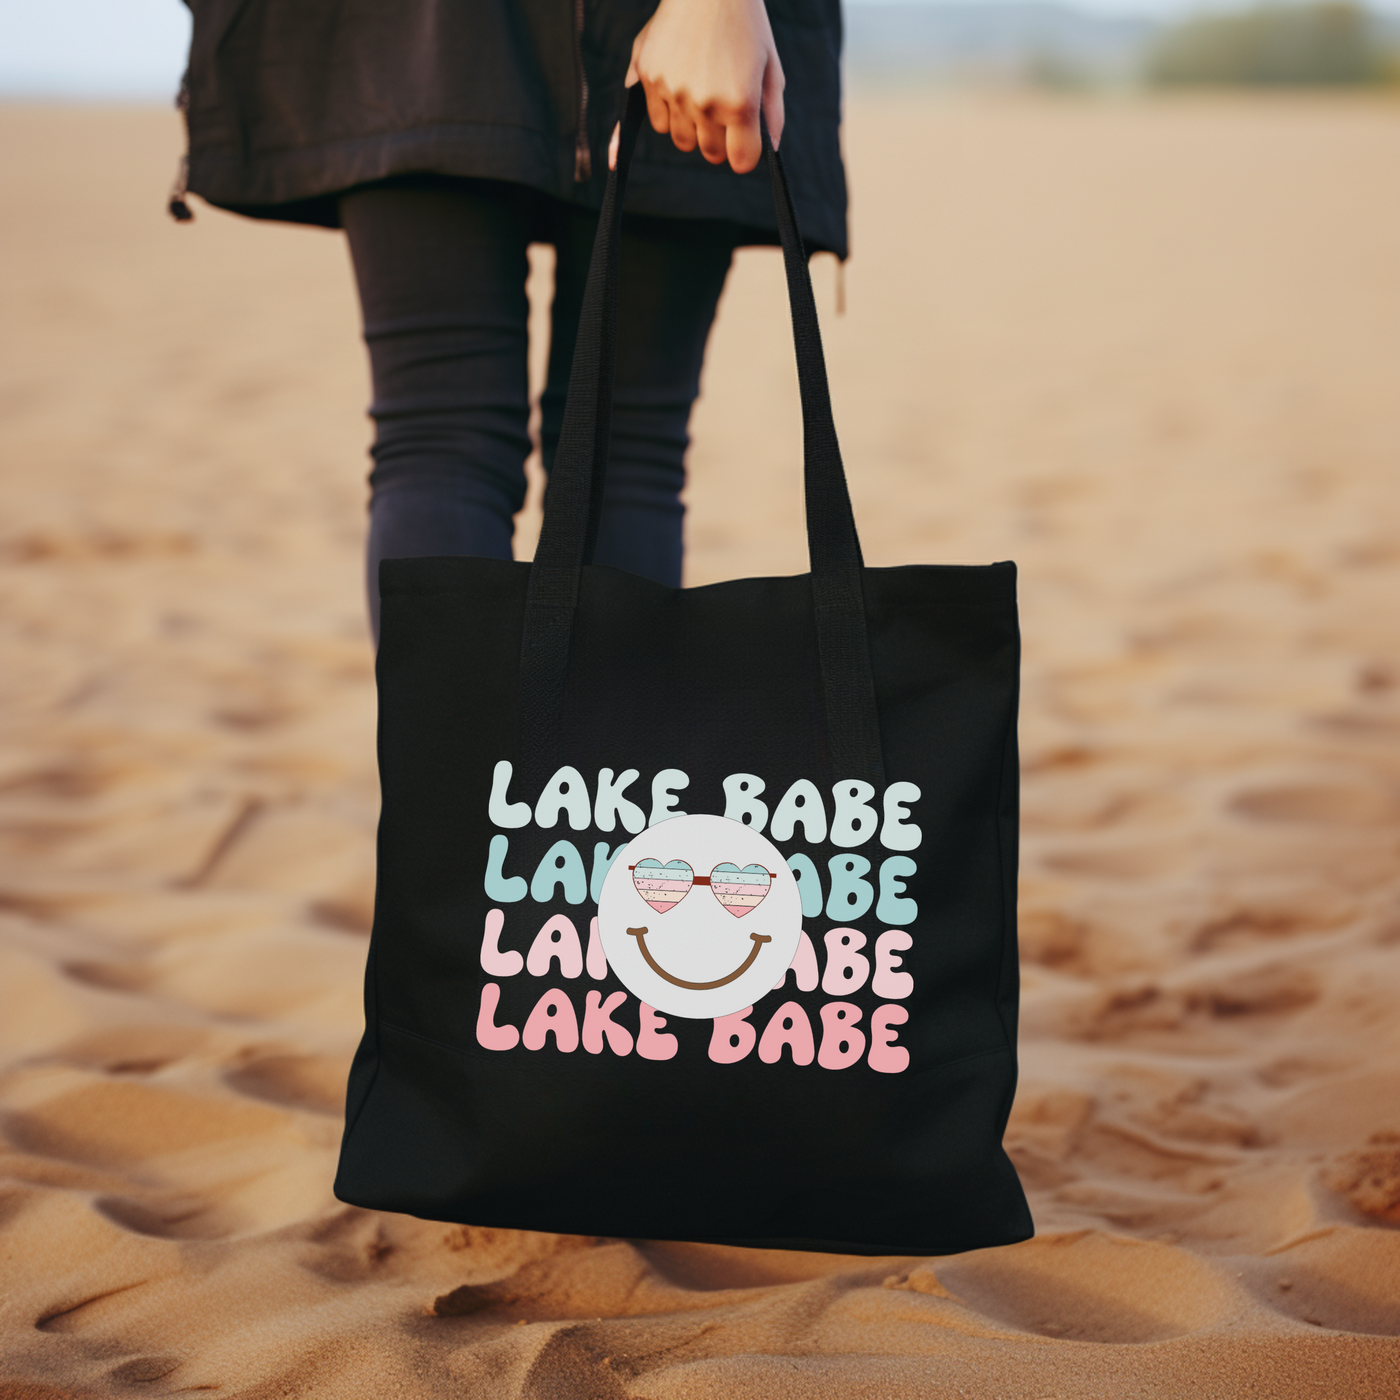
[[699, 916]]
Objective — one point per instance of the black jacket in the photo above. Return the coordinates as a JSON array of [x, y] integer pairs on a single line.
[[290, 102]]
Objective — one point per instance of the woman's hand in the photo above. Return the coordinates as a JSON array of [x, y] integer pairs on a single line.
[[709, 67]]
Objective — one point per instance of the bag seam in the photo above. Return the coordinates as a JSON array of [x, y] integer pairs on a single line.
[[371, 1027], [1006, 947]]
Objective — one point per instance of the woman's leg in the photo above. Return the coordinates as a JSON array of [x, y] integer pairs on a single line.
[[672, 273], [441, 267]]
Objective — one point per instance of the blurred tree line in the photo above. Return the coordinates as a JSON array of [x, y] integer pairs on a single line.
[[1332, 43]]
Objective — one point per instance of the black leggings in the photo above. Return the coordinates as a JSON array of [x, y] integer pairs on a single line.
[[441, 267]]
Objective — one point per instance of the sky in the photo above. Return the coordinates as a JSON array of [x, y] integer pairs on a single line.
[[93, 48], [135, 49]]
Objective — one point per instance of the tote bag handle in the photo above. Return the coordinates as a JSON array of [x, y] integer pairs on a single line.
[[574, 501]]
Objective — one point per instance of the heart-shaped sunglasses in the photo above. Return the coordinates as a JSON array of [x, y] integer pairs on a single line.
[[738, 891]]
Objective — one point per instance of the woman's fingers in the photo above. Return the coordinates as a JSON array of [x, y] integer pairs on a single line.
[[682, 128], [721, 135], [634, 73], [631, 80], [689, 128], [773, 84], [743, 145], [713, 139], [708, 108], [659, 111], [709, 67]]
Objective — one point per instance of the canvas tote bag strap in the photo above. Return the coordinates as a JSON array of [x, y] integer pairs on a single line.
[[574, 501]]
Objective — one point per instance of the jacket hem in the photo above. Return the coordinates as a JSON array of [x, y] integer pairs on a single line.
[[303, 185]]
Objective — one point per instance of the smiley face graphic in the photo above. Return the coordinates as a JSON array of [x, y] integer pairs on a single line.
[[699, 916]]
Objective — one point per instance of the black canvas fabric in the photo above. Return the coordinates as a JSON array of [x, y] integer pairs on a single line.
[[862, 721]]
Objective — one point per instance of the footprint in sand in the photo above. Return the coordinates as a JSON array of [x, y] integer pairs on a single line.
[[141, 1370], [1344, 1279], [167, 1217], [1119, 862], [109, 976], [314, 1082], [117, 1123], [1093, 1287], [1051, 938], [1147, 1007], [1317, 804], [1370, 1178], [133, 1049], [1252, 925]]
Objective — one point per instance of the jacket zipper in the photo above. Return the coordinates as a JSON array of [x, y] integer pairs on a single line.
[[583, 160]]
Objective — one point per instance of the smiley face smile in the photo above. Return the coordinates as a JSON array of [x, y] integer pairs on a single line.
[[759, 939]]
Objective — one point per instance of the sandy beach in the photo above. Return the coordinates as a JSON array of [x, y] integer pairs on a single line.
[[1149, 349]]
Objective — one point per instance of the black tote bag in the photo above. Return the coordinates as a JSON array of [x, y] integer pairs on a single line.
[[696, 907]]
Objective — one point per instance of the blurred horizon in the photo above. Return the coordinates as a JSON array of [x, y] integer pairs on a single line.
[[134, 50]]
